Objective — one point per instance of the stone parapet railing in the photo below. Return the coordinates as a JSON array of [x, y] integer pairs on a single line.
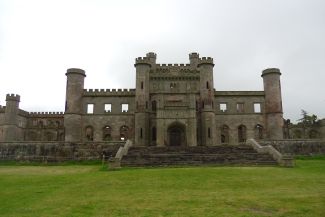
[[283, 160], [115, 162]]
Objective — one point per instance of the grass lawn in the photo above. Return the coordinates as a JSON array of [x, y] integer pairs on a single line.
[[89, 190]]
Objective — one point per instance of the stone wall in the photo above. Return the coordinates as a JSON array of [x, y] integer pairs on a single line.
[[57, 151], [298, 147]]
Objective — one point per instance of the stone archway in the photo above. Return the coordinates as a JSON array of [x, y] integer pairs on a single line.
[[176, 134]]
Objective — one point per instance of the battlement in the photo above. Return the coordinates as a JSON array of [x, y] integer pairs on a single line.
[[47, 114], [13, 97], [76, 71], [151, 55], [206, 60], [271, 71], [142, 60], [109, 92]]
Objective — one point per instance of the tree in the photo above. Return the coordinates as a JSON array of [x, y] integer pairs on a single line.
[[307, 119]]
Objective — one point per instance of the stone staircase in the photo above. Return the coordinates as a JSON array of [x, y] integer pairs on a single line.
[[200, 155]]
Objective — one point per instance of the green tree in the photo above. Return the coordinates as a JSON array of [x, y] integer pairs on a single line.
[[307, 119]]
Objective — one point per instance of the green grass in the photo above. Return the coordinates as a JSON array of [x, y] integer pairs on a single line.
[[89, 190]]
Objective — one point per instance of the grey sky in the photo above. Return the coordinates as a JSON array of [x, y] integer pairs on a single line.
[[40, 39]]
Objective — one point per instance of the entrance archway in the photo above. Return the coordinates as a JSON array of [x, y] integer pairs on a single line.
[[176, 135]]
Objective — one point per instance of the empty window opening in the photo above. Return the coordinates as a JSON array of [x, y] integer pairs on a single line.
[[125, 107], [89, 133], [146, 104], [240, 107], [140, 132], [108, 107], [107, 136], [154, 105], [209, 133], [257, 107], [208, 86], [141, 84], [90, 108], [172, 85], [224, 134], [223, 107], [258, 132], [241, 134], [124, 133]]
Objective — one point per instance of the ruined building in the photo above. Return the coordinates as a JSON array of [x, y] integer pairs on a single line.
[[172, 105]]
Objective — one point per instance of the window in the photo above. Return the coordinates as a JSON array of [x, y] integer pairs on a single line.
[[141, 85], [257, 107], [154, 134], [242, 133], [125, 107], [172, 85], [89, 133], [258, 132], [107, 133], [124, 133], [208, 85], [108, 108], [154, 105], [240, 107], [224, 134], [209, 133], [223, 107], [141, 133], [90, 108]]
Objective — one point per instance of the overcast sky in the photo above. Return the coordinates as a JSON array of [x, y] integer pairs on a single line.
[[40, 39]]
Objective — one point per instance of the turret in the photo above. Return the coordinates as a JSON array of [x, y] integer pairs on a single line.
[[10, 127], [205, 66], [142, 65], [194, 59], [73, 106], [152, 59], [273, 103]]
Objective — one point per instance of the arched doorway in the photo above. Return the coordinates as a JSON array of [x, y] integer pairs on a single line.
[[176, 135]]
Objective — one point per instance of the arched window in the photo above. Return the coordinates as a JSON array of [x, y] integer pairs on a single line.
[[107, 136], [258, 132], [241, 133], [124, 133], [49, 136], [154, 105], [154, 134], [89, 133], [224, 134]]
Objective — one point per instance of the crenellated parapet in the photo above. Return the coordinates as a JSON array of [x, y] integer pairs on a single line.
[[109, 92], [142, 60], [46, 114], [13, 97], [206, 60]]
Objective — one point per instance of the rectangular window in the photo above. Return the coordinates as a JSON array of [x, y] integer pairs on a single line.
[[223, 107], [240, 107], [108, 108], [90, 108], [125, 107], [257, 107]]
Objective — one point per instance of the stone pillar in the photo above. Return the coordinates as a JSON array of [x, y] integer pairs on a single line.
[[273, 103], [73, 105]]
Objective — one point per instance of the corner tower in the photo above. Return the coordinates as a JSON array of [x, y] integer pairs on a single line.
[[273, 103], [73, 104], [143, 66], [11, 130], [208, 135]]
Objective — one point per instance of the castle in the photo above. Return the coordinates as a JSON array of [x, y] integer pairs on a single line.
[[172, 105]]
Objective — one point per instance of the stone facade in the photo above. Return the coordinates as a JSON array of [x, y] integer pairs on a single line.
[[172, 105]]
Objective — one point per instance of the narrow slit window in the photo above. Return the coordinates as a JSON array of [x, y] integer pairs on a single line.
[[125, 107], [108, 108], [141, 84], [209, 133], [90, 108], [223, 107], [208, 85], [257, 107], [140, 132]]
